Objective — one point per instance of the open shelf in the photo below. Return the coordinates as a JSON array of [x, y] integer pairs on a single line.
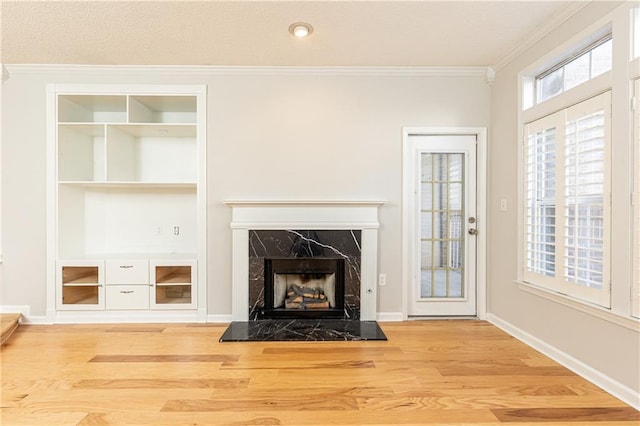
[[92, 109], [149, 153], [81, 152], [162, 109]]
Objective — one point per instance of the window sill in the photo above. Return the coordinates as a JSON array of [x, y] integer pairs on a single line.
[[602, 313]]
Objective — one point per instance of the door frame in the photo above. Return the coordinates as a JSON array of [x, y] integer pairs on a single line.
[[410, 227]]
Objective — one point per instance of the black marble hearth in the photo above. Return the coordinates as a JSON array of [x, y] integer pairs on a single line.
[[302, 330]]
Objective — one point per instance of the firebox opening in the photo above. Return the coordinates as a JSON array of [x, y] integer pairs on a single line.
[[304, 291], [304, 287]]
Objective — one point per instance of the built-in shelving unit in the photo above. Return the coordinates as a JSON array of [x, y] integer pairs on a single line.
[[128, 190]]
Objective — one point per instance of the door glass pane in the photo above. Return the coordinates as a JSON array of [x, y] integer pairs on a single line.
[[426, 288], [440, 196], [427, 167], [426, 257], [427, 195], [442, 225], [426, 225], [455, 167], [455, 196], [440, 167]]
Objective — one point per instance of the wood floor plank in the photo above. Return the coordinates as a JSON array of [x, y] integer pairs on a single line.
[[163, 358], [436, 402], [332, 351], [13, 417], [587, 414], [458, 389], [502, 370], [295, 365], [263, 404], [98, 400], [137, 329], [162, 383]]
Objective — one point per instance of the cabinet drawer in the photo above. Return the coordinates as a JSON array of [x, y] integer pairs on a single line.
[[127, 272], [127, 297]]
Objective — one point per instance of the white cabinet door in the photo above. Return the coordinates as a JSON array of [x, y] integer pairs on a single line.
[[173, 284], [80, 285]]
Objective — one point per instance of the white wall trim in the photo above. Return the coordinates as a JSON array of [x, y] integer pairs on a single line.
[[582, 306], [107, 317], [146, 70], [548, 26], [615, 388], [390, 316], [25, 310], [219, 318]]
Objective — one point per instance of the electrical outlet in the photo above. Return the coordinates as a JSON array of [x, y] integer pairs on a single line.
[[382, 279], [176, 230]]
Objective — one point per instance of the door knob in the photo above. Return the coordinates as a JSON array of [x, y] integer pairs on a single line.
[[473, 231]]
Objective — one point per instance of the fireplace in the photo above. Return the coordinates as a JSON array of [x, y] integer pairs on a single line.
[[297, 229], [324, 265], [305, 287]]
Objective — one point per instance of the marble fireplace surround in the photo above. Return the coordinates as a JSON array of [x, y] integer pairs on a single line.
[[250, 215]]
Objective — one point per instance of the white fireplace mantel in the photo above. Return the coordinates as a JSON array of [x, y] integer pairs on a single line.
[[304, 214]]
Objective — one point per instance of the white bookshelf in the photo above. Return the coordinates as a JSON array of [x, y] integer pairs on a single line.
[[128, 184]]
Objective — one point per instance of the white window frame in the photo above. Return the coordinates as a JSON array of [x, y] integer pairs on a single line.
[[562, 65], [557, 282], [620, 80]]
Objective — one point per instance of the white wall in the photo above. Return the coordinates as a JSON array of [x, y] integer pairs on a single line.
[[591, 343], [283, 135]]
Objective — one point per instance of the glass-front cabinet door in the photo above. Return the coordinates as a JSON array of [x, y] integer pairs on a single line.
[[172, 284], [81, 285]]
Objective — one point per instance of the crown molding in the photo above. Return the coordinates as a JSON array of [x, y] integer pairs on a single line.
[[558, 18], [284, 71]]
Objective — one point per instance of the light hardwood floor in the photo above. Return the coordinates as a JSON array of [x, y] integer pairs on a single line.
[[427, 373]]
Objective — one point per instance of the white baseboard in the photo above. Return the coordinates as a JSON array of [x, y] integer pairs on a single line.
[[36, 320], [390, 316], [25, 310], [218, 318], [615, 388], [381, 316], [116, 317], [87, 317]]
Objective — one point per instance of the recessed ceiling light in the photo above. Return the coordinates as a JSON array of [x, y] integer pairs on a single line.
[[300, 29]]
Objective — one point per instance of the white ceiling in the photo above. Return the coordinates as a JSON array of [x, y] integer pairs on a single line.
[[254, 33]]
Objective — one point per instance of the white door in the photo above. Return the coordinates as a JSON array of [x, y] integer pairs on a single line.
[[443, 225]]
